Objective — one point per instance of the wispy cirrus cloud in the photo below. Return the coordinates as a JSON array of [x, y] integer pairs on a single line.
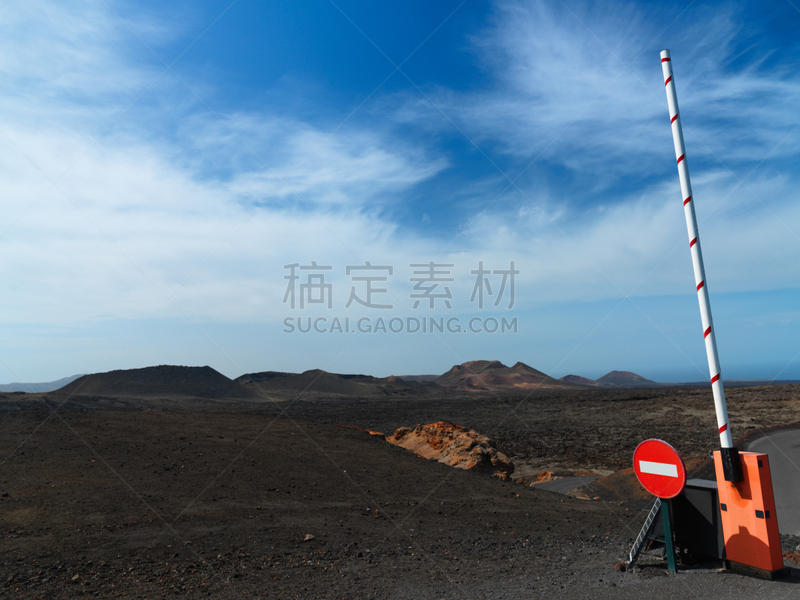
[[577, 99], [582, 86]]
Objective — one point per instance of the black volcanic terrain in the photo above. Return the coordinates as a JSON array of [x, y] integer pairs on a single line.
[[179, 482]]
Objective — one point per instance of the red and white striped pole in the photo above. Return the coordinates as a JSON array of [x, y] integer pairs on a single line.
[[697, 255]]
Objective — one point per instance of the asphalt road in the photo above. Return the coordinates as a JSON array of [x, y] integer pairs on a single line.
[[565, 484], [783, 449]]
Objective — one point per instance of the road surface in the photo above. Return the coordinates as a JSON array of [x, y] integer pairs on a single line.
[[565, 484]]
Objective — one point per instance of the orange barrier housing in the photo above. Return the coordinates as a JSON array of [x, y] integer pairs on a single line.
[[747, 511]]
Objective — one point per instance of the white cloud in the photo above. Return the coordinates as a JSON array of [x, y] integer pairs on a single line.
[[131, 223], [141, 211], [169, 201]]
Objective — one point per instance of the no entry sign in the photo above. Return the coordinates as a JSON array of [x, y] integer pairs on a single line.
[[659, 468]]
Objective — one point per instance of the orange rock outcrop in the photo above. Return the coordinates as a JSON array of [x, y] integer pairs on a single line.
[[456, 446], [545, 476], [377, 434]]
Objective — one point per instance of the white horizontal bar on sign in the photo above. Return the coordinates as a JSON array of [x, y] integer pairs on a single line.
[[654, 468]]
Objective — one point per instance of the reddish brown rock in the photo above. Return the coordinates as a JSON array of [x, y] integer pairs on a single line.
[[377, 434], [456, 446], [546, 476]]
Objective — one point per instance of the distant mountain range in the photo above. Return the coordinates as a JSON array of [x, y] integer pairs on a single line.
[[37, 388], [169, 381]]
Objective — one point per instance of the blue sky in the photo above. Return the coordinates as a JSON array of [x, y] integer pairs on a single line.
[[162, 162]]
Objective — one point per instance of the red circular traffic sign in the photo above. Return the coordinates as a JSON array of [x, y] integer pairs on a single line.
[[659, 468]]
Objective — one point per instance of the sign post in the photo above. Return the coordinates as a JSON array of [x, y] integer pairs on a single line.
[[660, 469], [669, 548]]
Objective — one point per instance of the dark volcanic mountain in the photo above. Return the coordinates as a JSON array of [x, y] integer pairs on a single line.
[[317, 381], [578, 380], [161, 381], [418, 377], [625, 379], [492, 375]]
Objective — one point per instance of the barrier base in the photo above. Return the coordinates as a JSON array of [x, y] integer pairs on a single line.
[[747, 514], [751, 571]]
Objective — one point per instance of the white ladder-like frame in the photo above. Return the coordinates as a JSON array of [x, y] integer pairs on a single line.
[[644, 533]]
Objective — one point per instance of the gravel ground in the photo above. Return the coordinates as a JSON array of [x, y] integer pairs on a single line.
[[152, 504]]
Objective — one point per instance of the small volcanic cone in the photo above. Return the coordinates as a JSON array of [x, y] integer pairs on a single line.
[[625, 379], [456, 446]]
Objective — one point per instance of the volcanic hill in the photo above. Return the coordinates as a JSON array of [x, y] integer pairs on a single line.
[[419, 377], [317, 381], [577, 379], [160, 381], [492, 375], [625, 379], [614, 379]]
